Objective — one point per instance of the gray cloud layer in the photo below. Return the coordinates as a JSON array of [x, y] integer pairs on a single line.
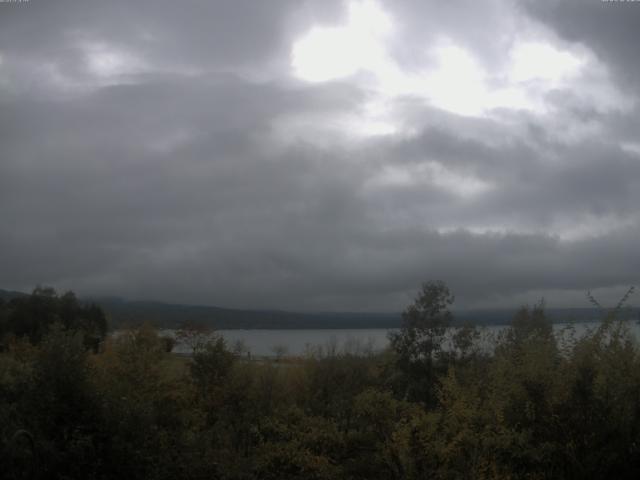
[[165, 150]]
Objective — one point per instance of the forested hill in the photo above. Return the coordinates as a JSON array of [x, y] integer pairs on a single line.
[[166, 315], [10, 294]]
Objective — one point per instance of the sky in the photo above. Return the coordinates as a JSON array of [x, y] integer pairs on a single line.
[[321, 155]]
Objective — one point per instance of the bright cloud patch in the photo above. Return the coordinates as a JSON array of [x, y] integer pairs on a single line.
[[105, 61], [432, 174], [541, 61], [461, 185], [336, 52], [631, 147], [456, 81]]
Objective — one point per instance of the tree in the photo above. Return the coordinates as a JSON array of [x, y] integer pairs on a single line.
[[279, 351], [211, 364], [529, 325], [61, 408], [4, 314], [418, 344], [33, 315], [195, 336]]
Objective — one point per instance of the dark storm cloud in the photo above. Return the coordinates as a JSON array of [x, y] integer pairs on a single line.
[[185, 164]]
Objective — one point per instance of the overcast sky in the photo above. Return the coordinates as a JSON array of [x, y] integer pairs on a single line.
[[321, 155]]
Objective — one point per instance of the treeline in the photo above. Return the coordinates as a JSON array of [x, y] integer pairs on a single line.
[[533, 406], [32, 316]]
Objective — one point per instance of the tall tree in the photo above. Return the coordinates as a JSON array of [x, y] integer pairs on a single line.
[[418, 344]]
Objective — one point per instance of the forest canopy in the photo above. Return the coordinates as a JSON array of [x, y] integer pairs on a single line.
[[436, 404]]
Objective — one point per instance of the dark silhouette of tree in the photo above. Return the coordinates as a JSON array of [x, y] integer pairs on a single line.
[[32, 316], [418, 344]]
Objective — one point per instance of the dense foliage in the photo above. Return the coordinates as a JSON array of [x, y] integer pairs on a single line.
[[438, 404], [32, 316]]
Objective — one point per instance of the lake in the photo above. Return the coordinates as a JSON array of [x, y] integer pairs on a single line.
[[269, 343]]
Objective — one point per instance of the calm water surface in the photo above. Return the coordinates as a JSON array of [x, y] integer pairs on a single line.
[[299, 342]]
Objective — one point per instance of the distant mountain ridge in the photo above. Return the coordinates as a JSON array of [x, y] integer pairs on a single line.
[[123, 313], [165, 315], [9, 294]]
